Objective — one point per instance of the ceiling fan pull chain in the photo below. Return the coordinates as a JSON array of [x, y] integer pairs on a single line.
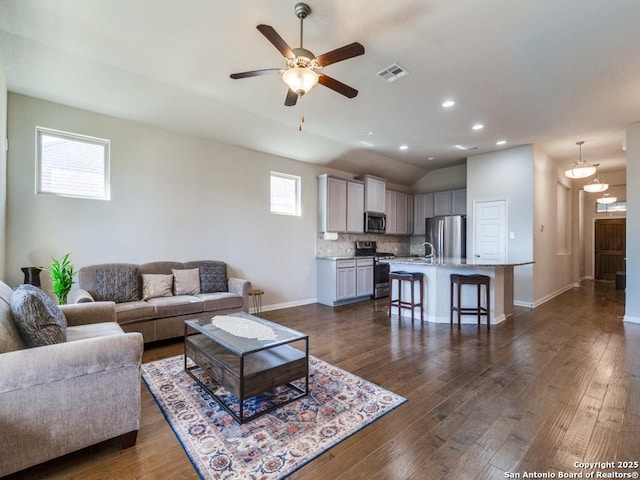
[[301, 113]]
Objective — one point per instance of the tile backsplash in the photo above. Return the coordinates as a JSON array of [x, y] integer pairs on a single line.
[[401, 246]]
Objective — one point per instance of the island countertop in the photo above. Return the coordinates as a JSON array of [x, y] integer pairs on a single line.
[[452, 262]]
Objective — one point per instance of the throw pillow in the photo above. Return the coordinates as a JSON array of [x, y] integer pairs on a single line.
[[156, 285], [213, 277], [186, 282], [38, 319], [118, 284]]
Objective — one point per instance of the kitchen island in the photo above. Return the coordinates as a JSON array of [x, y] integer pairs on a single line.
[[437, 291]]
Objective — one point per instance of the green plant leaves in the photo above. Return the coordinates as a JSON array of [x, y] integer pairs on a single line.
[[62, 274]]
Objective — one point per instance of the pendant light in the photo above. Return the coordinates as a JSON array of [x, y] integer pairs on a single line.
[[594, 186], [607, 198], [580, 169]]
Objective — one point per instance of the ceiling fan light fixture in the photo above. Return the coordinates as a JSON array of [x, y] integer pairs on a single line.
[[300, 79], [580, 169], [607, 198], [596, 187]]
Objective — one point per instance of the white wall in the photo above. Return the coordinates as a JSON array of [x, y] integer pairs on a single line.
[[632, 310], [174, 197], [3, 164], [507, 174], [553, 270], [448, 178]]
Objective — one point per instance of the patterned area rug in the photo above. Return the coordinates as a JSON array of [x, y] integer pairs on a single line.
[[276, 444]]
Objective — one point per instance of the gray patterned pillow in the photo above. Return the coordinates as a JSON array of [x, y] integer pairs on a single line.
[[213, 277], [38, 319], [118, 285]]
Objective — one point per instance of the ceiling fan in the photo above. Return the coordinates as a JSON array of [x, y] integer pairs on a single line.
[[300, 74]]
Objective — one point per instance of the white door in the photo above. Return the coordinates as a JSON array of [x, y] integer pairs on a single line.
[[490, 231]]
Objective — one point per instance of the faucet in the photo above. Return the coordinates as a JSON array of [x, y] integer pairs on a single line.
[[432, 255]]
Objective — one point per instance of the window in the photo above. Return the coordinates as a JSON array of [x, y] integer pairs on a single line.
[[72, 165], [611, 207], [285, 194]]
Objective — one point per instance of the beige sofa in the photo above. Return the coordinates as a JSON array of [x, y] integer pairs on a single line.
[[162, 317], [56, 399]]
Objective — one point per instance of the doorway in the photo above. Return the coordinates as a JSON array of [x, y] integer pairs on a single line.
[[610, 247], [490, 231]]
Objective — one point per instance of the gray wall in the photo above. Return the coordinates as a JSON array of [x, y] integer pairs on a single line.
[[3, 164], [632, 311], [507, 174], [173, 197]]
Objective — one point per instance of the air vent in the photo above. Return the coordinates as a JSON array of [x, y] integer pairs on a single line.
[[393, 73], [468, 149]]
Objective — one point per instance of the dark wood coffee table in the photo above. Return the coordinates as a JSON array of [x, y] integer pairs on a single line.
[[246, 367]]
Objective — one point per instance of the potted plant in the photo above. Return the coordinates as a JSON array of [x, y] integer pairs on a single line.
[[62, 274]]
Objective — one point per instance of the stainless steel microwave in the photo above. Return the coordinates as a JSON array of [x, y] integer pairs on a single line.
[[375, 222]]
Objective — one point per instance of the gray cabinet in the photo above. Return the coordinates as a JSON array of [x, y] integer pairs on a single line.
[[343, 281], [442, 203], [399, 213], [355, 207], [340, 205], [390, 211], [459, 202], [374, 193], [402, 213], [422, 209]]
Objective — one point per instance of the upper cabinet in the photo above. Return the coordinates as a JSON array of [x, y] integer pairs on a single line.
[[340, 205], [374, 193], [399, 211], [427, 205]]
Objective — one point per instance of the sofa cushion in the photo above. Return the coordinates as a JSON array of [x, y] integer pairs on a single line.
[[186, 281], [92, 330], [176, 305], [37, 318], [220, 301], [134, 311], [156, 285], [10, 339], [213, 277], [118, 284]]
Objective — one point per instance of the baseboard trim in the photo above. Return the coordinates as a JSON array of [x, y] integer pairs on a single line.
[[297, 303], [518, 303], [553, 295], [630, 319]]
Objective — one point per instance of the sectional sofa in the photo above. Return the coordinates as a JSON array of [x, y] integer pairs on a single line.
[[156, 298]]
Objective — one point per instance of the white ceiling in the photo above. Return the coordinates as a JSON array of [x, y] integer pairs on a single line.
[[549, 72]]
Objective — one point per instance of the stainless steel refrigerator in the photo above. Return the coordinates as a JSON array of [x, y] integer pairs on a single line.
[[448, 235]]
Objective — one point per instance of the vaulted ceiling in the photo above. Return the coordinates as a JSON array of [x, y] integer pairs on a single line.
[[547, 72]]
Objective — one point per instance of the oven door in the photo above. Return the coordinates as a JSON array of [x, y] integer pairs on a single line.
[[381, 280]]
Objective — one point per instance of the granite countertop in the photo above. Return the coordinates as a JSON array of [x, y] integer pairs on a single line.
[[451, 262], [344, 257]]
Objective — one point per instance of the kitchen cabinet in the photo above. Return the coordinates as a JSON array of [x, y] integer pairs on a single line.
[[398, 213], [340, 205], [355, 207], [374, 193], [459, 202], [442, 203], [390, 211], [422, 209], [343, 281]]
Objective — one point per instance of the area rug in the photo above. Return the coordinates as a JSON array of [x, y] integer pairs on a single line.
[[276, 444]]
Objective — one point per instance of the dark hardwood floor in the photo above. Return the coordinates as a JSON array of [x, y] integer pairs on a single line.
[[545, 389]]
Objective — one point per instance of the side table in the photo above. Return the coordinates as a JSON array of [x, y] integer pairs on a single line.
[[256, 294]]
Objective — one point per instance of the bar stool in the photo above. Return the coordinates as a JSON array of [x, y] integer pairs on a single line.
[[478, 310], [412, 278]]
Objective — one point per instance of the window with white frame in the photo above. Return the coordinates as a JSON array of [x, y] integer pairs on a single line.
[[285, 194], [72, 165]]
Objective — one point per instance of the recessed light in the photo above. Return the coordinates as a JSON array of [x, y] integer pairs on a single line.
[[404, 147], [478, 126], [366, 144], [368, 133], [431, 158], [501, 142], [460, 147], [448, 103]]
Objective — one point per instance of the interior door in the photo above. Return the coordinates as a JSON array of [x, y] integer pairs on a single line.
[[610, 247], [490, 231]]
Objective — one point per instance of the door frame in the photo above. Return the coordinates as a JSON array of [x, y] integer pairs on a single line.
[[472, 232], [593, 240]]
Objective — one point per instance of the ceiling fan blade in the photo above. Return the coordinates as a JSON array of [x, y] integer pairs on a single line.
[[255, 73], [339, 87], [348, 51], [292, 98], [276, 40]]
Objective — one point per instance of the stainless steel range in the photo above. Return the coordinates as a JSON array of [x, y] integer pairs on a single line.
[[380, 269]]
